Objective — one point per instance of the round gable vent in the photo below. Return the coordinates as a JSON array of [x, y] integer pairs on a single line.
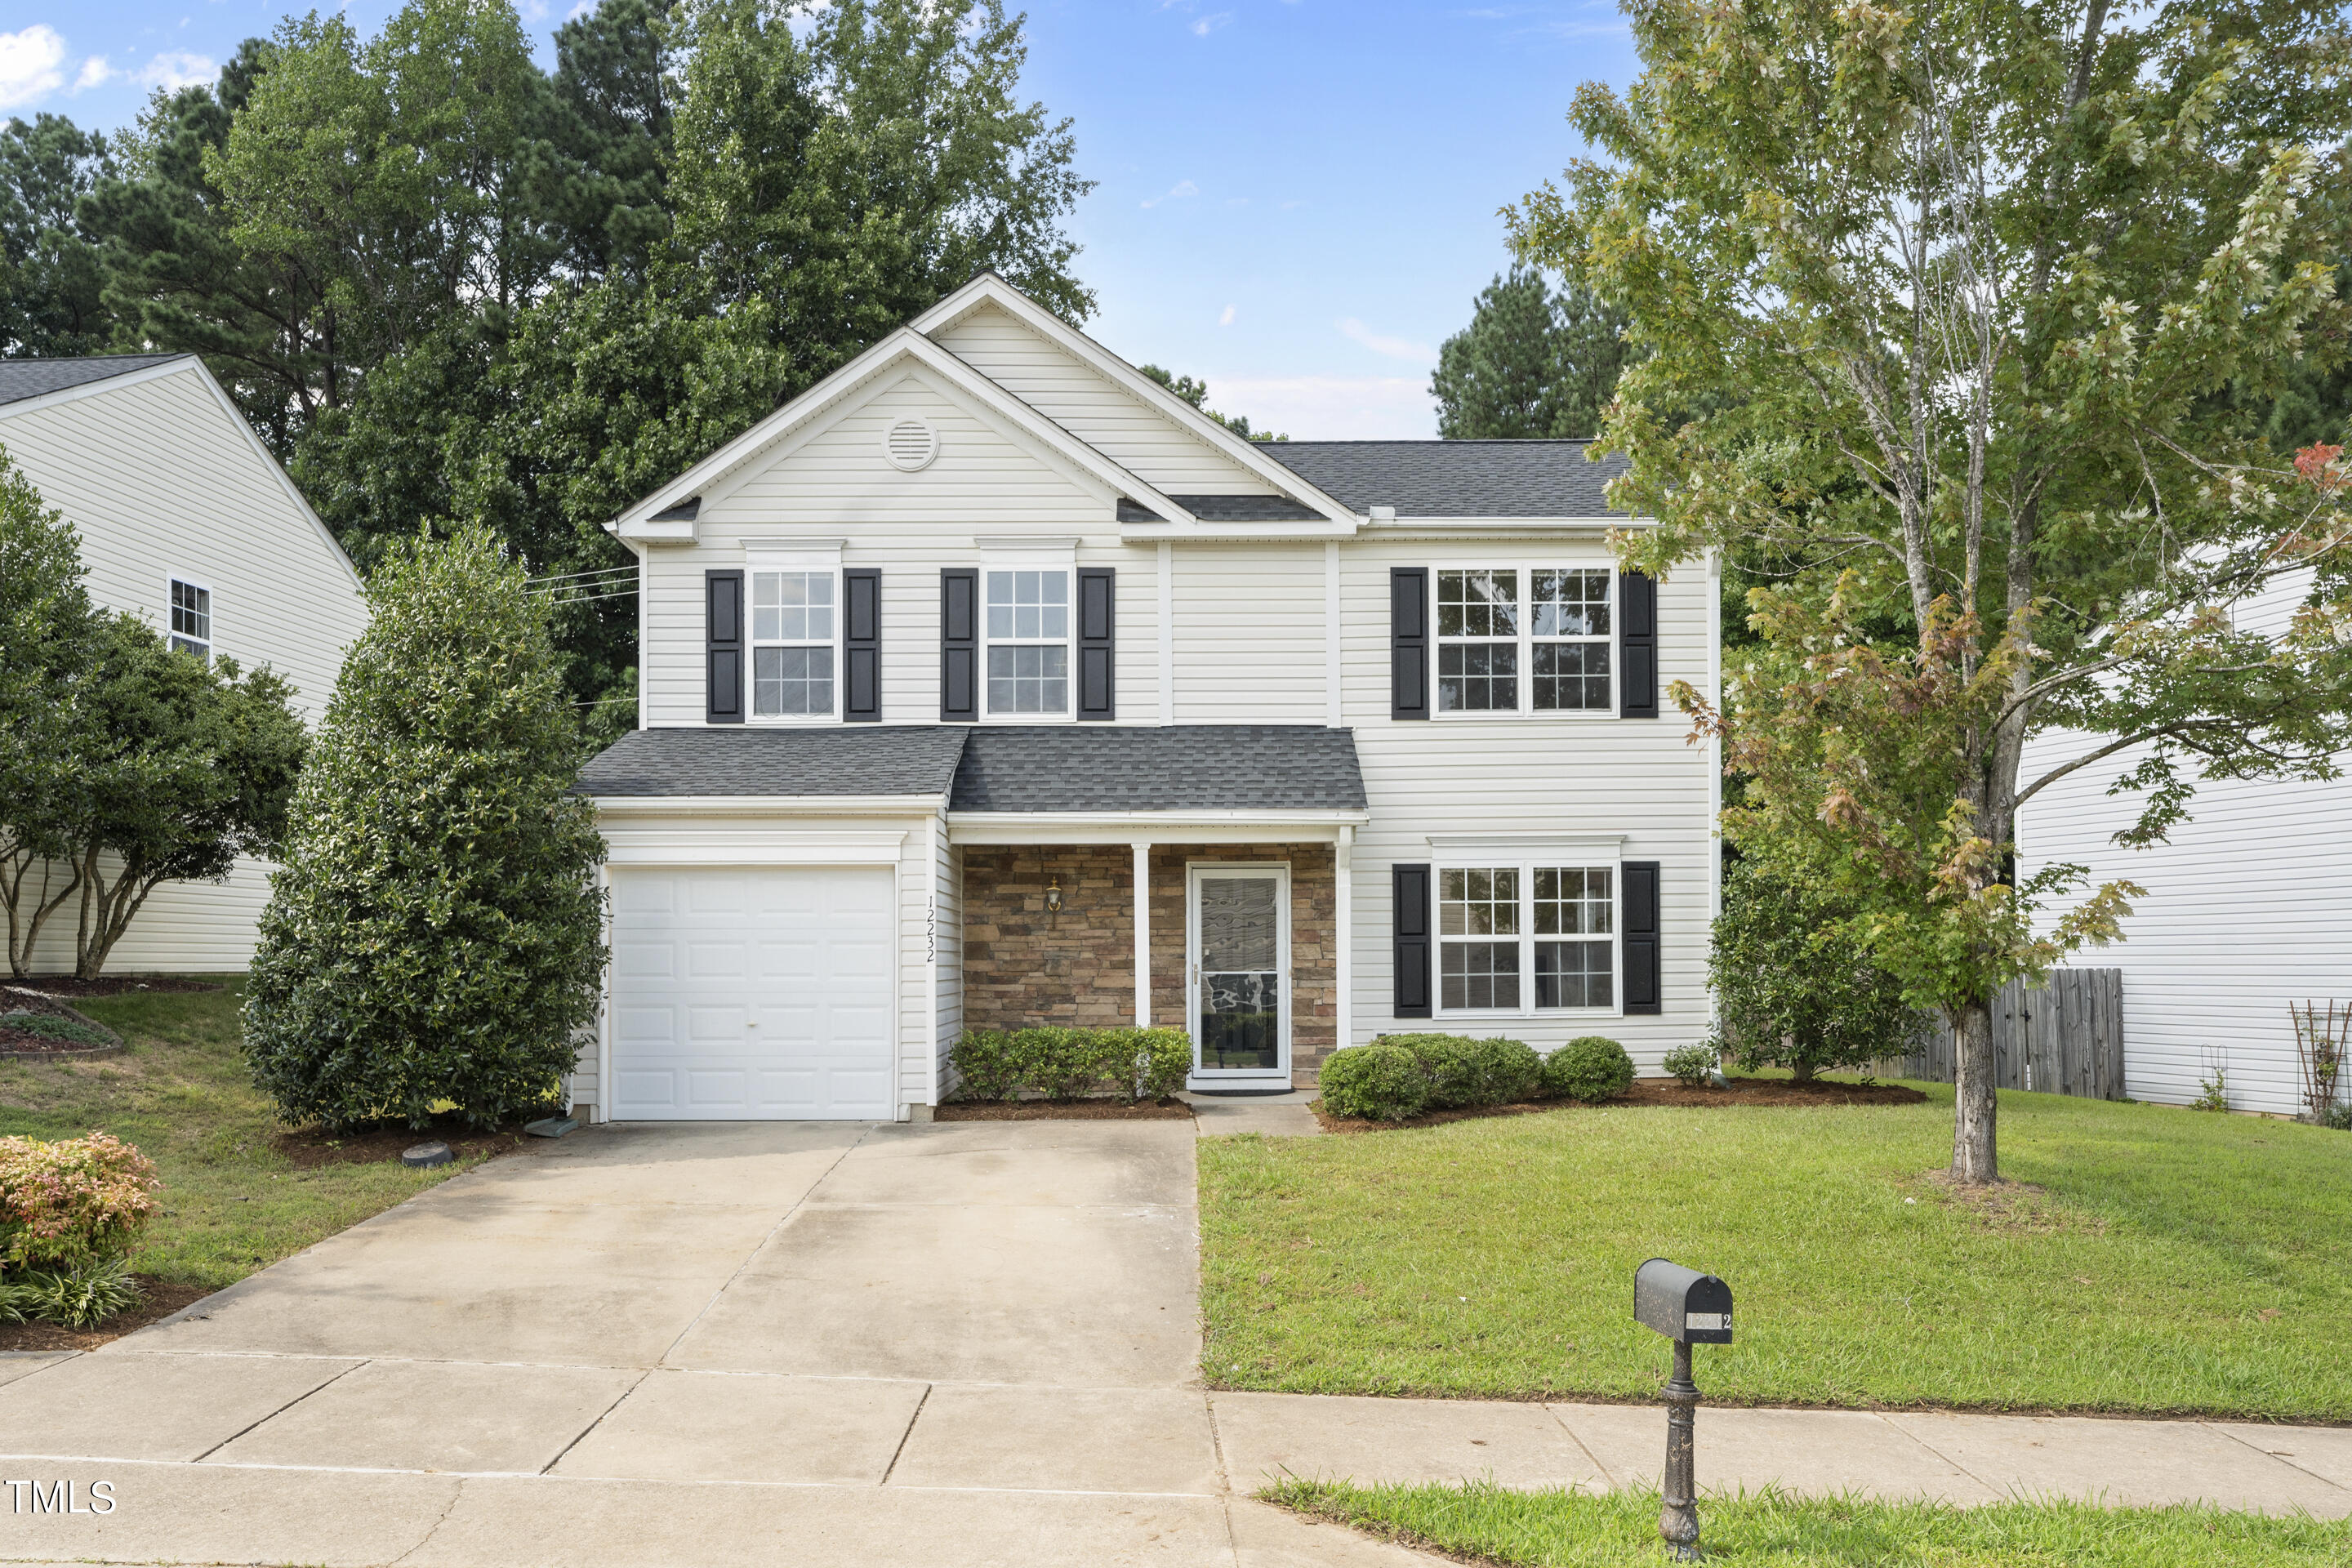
[[911, 444]]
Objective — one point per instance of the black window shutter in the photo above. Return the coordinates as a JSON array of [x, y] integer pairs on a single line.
[[1097, 664], [1410, 889], [722, 631], [861, 645], [960, 645], [1409, 644], [1637, 646], [1643, 992]]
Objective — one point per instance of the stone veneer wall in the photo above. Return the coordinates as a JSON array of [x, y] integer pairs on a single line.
[[1021, 968]]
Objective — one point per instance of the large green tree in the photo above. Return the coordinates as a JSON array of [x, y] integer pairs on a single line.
[[51, 283], [2003, 293], [1533, 363]]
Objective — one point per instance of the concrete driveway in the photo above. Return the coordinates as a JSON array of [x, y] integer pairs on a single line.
[[960, 1344]]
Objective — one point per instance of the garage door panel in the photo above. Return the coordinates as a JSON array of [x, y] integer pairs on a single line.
[[754, 993]]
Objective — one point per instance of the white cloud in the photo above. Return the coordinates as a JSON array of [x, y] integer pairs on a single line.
[[28, 65], [581, 9], [1393, 348], [1226, 319], [94, 72], [1177, 192], [1211, 23], [1330, 407], [178, 69]]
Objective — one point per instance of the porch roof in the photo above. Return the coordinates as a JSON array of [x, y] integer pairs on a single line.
[[859, 760], [1095, 769]]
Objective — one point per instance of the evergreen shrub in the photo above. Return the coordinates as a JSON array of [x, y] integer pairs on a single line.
[[1379, 1082], [1071, 1063], [1592, 1068], [434, 933]]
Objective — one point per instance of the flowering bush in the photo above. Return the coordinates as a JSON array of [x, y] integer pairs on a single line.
[[73, 1202]]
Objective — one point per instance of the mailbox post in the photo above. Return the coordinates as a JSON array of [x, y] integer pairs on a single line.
[[1688, 1308]]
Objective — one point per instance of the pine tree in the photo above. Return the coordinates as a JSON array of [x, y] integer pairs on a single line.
[[434, 931], [1531, 363]]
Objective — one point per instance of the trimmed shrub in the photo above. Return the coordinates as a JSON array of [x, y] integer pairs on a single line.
[[1464, 1072], [1695, 1065], [1592, 1068], [1507, 1072], [435, 932], [1379, 1082], [1072, 1063], [73, 1203]]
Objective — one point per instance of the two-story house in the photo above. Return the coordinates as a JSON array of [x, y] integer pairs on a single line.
[[988, 684]]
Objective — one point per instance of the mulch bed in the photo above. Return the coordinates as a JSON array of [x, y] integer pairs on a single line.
[[15, 998], [1064, 1111], [310, 1147], [1660, 1092], [111, 984], [165, 1297]]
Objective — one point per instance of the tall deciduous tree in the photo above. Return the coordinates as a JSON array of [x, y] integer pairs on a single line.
[[1532, 363], [2002, 290], [435, 932]]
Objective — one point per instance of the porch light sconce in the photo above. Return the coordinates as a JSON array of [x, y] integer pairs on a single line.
[[1054, 903]]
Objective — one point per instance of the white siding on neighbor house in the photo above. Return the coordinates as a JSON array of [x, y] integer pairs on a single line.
[[753, 839], [2237, 920], [1078, 398], [946, 883], [1575, 773], [835, 484], [161, 480], [1250, 633]]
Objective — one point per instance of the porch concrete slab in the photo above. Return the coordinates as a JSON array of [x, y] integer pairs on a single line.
[[1074, 1297], [726, 1163], [748, 1426], [1265, 1536], [1819, 1452], [1053, 1163], [2324, 1451], [2125, 1463], [434, 1416], [1267, 1435], [15, 1364], [518, 1523], [120, 1406], [199, 1513], [1267, 1115], [1061, 1439], [591, 1284]]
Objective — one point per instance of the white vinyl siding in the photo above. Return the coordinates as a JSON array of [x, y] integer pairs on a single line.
[[1073, 395], [1250, 634], [162, 481]]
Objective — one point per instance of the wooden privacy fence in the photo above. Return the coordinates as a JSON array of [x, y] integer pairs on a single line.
[[2066, 1038]]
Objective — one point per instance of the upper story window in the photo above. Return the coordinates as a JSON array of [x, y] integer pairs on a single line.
[[1523, 639], [1527, 938], [793, 624], [192, 619], [1028, 633]]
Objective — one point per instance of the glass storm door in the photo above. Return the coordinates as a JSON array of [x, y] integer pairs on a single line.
[[1241, 961]]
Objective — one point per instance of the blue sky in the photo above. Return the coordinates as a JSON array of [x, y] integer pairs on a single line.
[[1297, 199]]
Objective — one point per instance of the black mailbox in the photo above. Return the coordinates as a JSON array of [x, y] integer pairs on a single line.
[[1687, 1307]]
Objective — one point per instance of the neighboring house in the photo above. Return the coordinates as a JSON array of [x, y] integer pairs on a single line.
[[2238, 918], [188, 522], [988, 684]]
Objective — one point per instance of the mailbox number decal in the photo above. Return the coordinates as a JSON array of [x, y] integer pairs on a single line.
[[1696, 1320]]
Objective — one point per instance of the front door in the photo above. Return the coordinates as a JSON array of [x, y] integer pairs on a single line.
[[1239, 1005]]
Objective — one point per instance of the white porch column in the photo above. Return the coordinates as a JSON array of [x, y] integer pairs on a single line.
[[1143, 933], [1343, 931]]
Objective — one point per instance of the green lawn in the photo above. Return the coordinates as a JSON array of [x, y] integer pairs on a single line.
[[1556, 1530], [2173, 1261], [231, 1202]]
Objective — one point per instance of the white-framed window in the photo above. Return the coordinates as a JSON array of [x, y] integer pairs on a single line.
[[795, 656], [1526, 936], [1523, 639], [1026, 627], [192, 618]]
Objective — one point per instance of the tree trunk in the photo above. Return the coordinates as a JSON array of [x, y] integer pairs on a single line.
[[1973, 1105]]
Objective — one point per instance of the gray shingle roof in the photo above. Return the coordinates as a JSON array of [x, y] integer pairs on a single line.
[[861, 759], [1223, 509], [23, 378], [1056, 767], [1177, 767], [1455, 479]]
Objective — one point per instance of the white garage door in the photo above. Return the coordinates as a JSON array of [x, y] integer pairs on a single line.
[[744, 994]]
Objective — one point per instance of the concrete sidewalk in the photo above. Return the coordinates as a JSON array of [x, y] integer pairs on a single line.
[[965, 1343]]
